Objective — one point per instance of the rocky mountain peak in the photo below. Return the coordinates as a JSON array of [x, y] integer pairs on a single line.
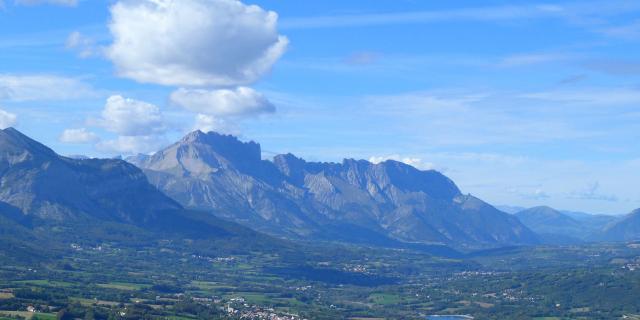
[[227, 146], [11, 138], [16, 148], [200, 153]]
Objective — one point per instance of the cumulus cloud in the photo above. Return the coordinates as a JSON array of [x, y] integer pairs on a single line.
[[140, 126], [80, 135], [7, 119], [241, 101], [43, 87], [68, 3], [131, 144], [129, 117], [208, 123], [193, 42]]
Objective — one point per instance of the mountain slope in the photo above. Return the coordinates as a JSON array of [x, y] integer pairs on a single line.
[[562, 227], [625, 229], [595, 222], [40, 183], [544, 219], [289, 196], [46, 198], [552, 225]]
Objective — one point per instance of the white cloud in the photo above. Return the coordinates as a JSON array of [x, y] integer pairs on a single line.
[[529, 194], [129, 117], [412, 161], [68, 3], [80, 135], [84, 45], [241, 101], [193, 42], [7, 119], [132, 144], [42, 87], [208, 123]]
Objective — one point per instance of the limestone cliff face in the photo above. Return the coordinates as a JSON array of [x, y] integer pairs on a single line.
[[289, 196]]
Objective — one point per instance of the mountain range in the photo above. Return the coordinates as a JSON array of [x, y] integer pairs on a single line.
[[355, 200], [554, 226], [45, 197], [217, 189]]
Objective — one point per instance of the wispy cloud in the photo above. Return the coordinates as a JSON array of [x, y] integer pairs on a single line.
[[575, 12], [592, 192], [532, 59], [613, 97], [475, 14], [43, 87], [630, 31], [67, 3], [620, 67], [362, 58], [572, 79], [85, 46], [444, 118]]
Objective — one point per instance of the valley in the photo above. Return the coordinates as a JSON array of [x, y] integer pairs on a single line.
[[93, 239], [176, 280]]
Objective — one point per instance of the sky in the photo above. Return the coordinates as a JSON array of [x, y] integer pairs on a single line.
[[521, 103]]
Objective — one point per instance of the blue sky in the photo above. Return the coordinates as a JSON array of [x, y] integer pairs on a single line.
[[520, 102]]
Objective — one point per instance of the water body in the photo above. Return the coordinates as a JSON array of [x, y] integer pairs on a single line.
[[448, 317]]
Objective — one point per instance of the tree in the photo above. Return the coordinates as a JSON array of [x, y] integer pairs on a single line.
[[64, 315], [89, 315]]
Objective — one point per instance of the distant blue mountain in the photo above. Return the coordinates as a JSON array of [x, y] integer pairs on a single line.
[[510, 209], [625, 228], [563, 227]]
